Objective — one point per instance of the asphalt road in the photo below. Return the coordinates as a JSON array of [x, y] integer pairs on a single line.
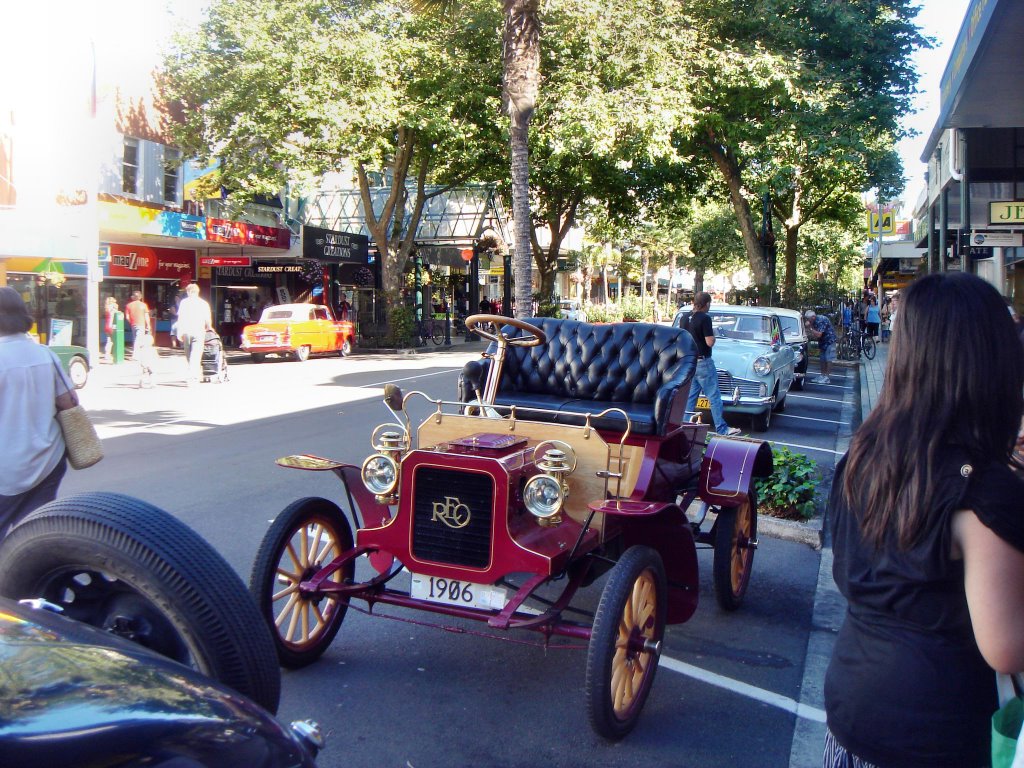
[[732, 689]]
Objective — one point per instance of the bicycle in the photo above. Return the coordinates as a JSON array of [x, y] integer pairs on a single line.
[[432, 330], [855, 343]]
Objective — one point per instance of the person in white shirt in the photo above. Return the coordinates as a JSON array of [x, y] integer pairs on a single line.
[[33, 387], [194, 320]]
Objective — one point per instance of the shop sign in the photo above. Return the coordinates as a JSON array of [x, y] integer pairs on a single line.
[[241, 233], [122, 217], [997, 239], [277, 268], [334, 247], [138, 261], [225, 261], [1006, 212]]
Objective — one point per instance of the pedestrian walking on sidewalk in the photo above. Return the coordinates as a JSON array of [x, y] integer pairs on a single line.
[[138, 317], [928, 538], [705, 377], [33, 387], [194, 320], [820, 329]]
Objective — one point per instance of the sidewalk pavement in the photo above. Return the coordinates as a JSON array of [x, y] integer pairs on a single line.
[[829, 604]]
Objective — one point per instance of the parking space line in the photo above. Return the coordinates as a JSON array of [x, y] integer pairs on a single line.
[[407, 378], [809, 418], [744, 689], [806, 447], [812, 397]]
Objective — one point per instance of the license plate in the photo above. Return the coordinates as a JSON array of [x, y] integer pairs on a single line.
[[486, 597], [704, 403]]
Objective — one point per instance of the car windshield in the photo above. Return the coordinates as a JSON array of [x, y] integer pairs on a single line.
[[732, 325], [790, 327]]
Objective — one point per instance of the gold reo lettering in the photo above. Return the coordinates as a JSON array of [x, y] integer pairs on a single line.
[[451, 512]]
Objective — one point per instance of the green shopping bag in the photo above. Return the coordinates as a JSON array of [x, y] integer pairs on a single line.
[[1006, 727]]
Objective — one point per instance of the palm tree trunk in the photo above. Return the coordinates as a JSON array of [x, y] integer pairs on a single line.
[[520, 82]]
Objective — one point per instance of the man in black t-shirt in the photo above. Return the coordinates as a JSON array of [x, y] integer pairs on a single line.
[[705, 377]]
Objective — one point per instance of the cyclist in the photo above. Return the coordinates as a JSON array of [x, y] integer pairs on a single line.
[[820, 329]]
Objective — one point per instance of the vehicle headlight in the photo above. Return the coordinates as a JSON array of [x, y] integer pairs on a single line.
[[380, 474], [543, 497], [762, 366]]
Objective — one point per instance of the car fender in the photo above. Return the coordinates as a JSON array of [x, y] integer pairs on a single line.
[[663, 528], [729, 468]]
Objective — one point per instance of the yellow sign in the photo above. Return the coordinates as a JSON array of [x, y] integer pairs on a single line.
[[883, 223], [1006, 212]]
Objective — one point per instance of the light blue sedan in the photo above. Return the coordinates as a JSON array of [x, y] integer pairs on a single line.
[[754, 361]]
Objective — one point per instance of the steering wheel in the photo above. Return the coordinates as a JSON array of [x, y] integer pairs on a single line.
[[536, 336]]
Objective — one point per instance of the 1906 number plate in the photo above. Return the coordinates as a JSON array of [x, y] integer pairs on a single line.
[[451, 592], [703, 403]]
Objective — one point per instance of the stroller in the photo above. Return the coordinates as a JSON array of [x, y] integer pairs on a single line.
[[214, 361]]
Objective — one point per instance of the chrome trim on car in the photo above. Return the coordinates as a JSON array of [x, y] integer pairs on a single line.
[[737, 391]]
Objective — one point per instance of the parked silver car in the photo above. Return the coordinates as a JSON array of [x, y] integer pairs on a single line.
[[756, 367]]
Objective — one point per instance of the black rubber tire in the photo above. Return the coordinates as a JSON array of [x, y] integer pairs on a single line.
[[274, 555], [346, 348], [124, 565], [437, 334], [611, 625], [760, 422], [78, 371], [302, 354], [780, 405], [258, 357], [735, 528], [798, 383], [869, 348]]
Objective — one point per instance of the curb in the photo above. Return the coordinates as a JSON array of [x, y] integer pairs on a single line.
[[808, 532]]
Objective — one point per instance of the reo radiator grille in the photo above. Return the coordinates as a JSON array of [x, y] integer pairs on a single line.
[[452, 517]]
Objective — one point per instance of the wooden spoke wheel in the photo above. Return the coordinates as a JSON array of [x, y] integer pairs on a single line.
[[735, 543], [626, 641], [308, 535]]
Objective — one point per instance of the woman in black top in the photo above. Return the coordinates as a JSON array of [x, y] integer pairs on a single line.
[[927, 521]]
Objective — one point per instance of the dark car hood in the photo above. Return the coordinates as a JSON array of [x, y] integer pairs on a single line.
[[71, 695]]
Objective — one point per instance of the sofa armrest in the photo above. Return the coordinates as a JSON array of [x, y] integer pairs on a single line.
[[670, 402], [472, 378]]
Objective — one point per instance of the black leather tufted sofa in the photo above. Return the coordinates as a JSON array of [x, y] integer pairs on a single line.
[[642, 368]]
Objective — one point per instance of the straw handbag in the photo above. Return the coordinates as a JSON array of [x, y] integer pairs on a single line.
[[83, 444]]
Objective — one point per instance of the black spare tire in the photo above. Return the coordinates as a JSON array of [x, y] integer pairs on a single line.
[[126, 566]]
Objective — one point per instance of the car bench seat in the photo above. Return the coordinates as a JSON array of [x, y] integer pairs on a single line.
[[641, 368]]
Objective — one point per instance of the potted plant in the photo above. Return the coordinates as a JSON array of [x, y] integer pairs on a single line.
[[632, 310], [789, 491], [603, 313]]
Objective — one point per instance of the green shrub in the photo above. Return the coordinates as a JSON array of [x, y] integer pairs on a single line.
[[602, 313], [632, 309], [790, 489], [549, 309], [401, 326]]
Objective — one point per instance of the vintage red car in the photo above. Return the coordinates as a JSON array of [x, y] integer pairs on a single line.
[[297, 331], [567, 457]]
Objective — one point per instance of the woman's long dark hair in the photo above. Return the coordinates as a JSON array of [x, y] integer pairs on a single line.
[[955, 376]]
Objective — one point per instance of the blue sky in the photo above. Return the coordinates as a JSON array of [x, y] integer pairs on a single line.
[[941, 20]]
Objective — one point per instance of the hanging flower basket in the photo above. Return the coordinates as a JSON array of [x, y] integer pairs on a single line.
[[363, 277], [312, 271]]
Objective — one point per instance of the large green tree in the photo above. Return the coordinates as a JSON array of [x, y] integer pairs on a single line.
[[280, 93], [802, 99]]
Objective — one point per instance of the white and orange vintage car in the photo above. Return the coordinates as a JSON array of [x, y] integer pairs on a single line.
[[298, 331]]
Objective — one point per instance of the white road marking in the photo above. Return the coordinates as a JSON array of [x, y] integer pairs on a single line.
[[745, 689], [812, 397], [407, 378], [806, 447], [809, 418]]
